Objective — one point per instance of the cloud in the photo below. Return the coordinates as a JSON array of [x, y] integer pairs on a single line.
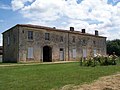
[[19, 4], [5, 7], [89, 14]]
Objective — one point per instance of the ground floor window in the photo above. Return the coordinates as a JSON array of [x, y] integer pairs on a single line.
[[30, 52], [84, 53], [74, 53], [61, 54]]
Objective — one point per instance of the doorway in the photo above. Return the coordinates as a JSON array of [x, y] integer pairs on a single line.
[[47, 54]]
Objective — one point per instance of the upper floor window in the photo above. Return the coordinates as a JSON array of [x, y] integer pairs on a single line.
[[61, 38], [73, 39], [84, 41], [30, 35], [94, 42], [47, 36]]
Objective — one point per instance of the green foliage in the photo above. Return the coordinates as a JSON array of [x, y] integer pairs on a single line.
[[101, 60], [48, 76], [113, 46], [89, 62]]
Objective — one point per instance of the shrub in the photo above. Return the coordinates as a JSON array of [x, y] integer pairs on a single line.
[[100, 60], [89, 62]]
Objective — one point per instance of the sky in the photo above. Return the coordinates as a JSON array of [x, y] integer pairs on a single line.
[[101, 15]]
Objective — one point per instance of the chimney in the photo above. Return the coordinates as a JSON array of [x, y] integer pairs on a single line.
[[54, 27], [96, 32], [71, 28], [83, 30]]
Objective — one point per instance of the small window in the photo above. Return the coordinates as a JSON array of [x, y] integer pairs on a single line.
[[83, 42], [30, 52], [8, 40], [94, 42], [30, 35], [22, 31], [74, 53], [61, 49], [73, 39], [47, 36], [61, 38]]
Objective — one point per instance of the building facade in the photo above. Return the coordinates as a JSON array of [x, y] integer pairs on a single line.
[[32, 43]]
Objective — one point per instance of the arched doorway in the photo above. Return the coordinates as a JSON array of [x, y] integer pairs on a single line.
[[47, 54]]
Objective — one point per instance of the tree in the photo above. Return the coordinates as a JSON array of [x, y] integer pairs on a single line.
[[113, 46]]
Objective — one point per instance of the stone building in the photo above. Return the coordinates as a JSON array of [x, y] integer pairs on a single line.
[[1, 53], [32, 43]]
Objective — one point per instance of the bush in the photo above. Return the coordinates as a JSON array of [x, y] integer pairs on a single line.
[[89, 62], [100, 60]]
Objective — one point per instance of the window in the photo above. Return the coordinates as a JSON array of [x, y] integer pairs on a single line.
[[47, 36], [8, 40], [30, 35], [30, 52], [84, 53], [94, 42], [61, 54], [61, 49], [61, 38], [74, 53], [73, 39], [83, 42], [95, 52]]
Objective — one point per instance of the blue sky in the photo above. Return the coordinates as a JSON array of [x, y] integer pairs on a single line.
[[103, 15]]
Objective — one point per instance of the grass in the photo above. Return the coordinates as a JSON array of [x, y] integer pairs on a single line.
[[48, 76]]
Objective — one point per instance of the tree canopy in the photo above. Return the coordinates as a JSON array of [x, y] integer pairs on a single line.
[[113, 46]]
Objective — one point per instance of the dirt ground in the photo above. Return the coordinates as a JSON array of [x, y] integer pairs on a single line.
[[104, 83]]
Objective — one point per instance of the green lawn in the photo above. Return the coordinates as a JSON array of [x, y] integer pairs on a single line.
[[48, 76]]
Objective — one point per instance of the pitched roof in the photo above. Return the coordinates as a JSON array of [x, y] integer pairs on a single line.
[[53, 29]]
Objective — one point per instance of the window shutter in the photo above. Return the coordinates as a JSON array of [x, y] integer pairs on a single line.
[[30, 52], [74, 53]]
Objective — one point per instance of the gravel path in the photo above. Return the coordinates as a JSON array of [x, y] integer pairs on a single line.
[[104, 83], [30, 63]]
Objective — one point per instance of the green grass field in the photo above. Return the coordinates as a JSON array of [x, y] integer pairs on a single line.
[[48, 76]]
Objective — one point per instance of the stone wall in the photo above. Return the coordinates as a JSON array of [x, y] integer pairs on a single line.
[[17, 50], [39, 42], [90, 43], [10, 45]]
